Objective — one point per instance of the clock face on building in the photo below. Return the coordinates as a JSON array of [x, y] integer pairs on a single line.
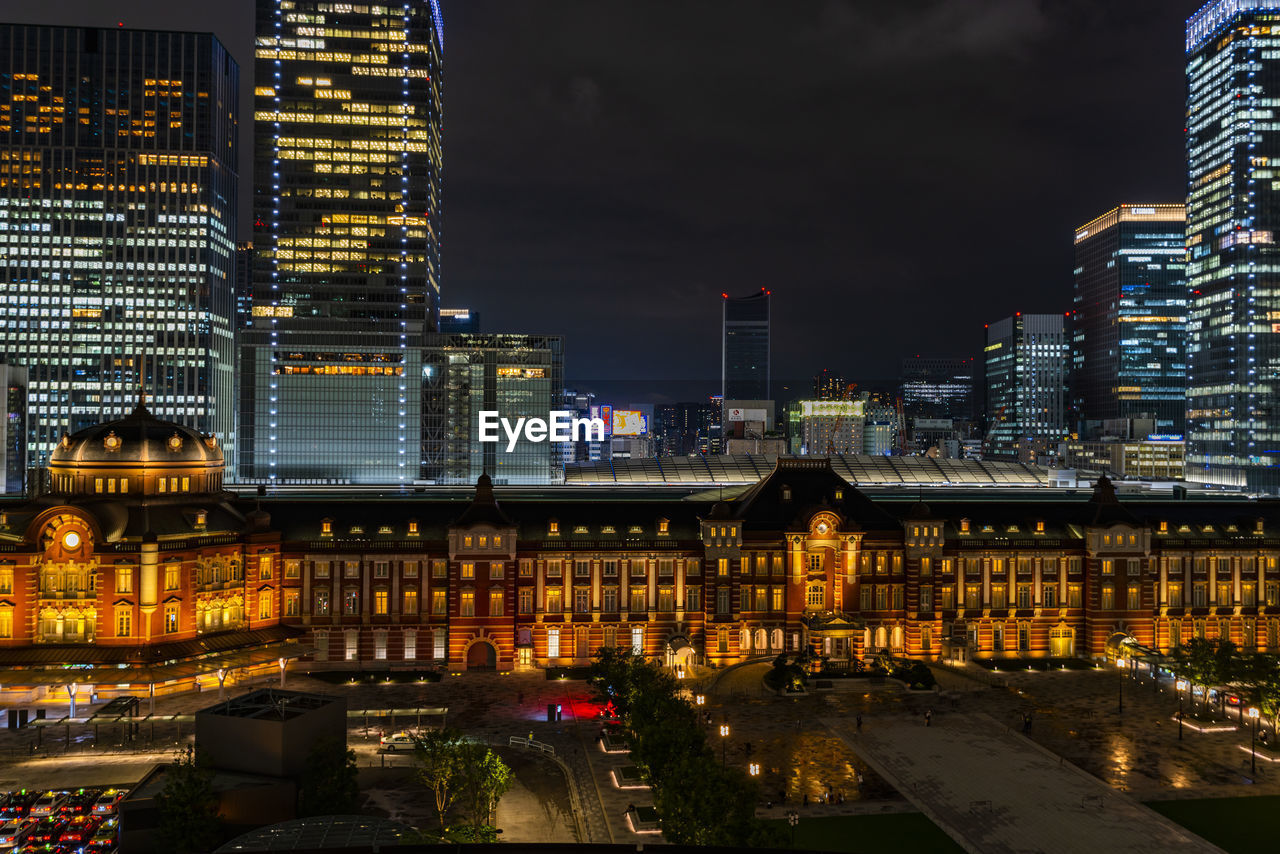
[[823, 527], [71, 540]]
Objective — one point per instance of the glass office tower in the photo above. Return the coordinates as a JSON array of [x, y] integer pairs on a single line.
[[938, 387], [745, 353], [1128, 353], [117, 226], [13, 428], [518, 376], [1233, 268], [347, 112], [1026, 381]]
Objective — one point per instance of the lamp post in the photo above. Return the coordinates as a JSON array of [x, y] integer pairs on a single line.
[[700, 700], [793, 819], [1120, 696], [724, 744], [753, 769], [1253, 741], [1180, 686]]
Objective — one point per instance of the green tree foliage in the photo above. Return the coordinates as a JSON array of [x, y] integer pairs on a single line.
[[483, 780], [437, 764], [188, 806], [329, 786], [699, 802]]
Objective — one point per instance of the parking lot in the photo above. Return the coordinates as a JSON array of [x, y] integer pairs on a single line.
[[60, 821]]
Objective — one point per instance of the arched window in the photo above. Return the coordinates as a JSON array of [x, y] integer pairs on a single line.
[[897, 638], [744, 641], [775, 644], [761, 643], [881, 639]]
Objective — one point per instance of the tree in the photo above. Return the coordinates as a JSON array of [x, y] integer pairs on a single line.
[[437, 764], [330, 786], [188, 806], [483, 779]]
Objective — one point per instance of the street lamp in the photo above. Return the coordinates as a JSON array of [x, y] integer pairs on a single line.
[[1120, 696], [724, 744], [1253, 741], [1181, 686], [700, 700], [754, 769], [793, 818]]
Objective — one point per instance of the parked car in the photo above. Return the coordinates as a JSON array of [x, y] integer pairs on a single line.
[[398, 741], [79, 830], [48, 804], [109, 801], [80, 802], [18, 804], [47, 830], [14, 833]]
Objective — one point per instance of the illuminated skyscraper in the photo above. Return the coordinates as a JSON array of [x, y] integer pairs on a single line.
[[117, 226], [1233, 269], [938, 387], [346, 240], [1128, 335], [1026, 370], [13, 428], [745, 354]]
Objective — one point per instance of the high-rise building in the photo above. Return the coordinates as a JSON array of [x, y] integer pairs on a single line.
[[244, 284], [13, 428], [1026, 378], [514, 375], [1233, 223], [117, 225], [829, 426], [938, 387], [347, 216], [684, 428], [828, 385], [745, 353], [1128, 329], [459, 320]]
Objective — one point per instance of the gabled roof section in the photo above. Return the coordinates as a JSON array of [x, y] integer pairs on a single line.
[[1109, 510], [798, 487], [484, 507]]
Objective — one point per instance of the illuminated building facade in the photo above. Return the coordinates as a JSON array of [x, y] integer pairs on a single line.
[[1233, 267], [939, 387], [745, 347], [1128, 329], [830, 426], [514, 375], [13, 428], [118, 153], [347, 183], [1026, 379], [459, 320], [193, 582]]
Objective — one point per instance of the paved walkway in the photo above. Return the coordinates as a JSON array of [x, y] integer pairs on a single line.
[[993, 791]]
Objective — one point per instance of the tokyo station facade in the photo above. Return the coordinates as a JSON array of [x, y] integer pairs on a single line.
[[136, 570]]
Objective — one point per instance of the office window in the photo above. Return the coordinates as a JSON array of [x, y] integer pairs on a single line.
[[264, 605], [997, 637], [555, 601], [467, 606], [292, 602], [1108, 597], [581, 600], [524, 600], [1175, 633], [124, 622], [609, 600], [321, 604], [926, 598], [610, 569], [439, 603], [553, 643], [410, 644], [293, 569], [170, 618], [380, 645], [999, 598], [1024, 595], [1134, 597], [124, 580], [410, 569], [1024, 637], [948, 597], [926, 566], [554, 569], [495, 570], [637, 600], [437, 644], [468, 570], [1049, 596], [1248, 595], [864, 599], [1199, 595], [1175, 595], [1074, 595], [172, 573], [899, 601], [266, 567], [1224, 593], [351, 602], [322, 569], [722, 641], [381, 569], [637, 640], [882, 597], [722, 567], [495, 603], [582, 569], [1135, 566], [926, 638], [351, 648], [722, 600], [526, 568], [410, 600], [666, 599], [1273, 593], [776, 598], [439, 568], [693, 599], [381, 601], [351, 569]]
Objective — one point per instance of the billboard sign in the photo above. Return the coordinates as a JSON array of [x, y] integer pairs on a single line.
[[629, 422]]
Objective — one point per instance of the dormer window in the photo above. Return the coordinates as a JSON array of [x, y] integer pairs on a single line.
[[839, 495], [608, 529], [664, 526], [484, 542], [1257, 525], [413, 527], [987, 529], [326, 527], [497, 541], [635, 529], [202, 516], [1013, 529], [384, 529], [1040, 527], [786, 493], [964, 526], [580, 529], [357, 529], [1164, 527], [553, 528]]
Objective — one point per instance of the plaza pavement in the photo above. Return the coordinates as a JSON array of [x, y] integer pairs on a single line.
[[997, 793]]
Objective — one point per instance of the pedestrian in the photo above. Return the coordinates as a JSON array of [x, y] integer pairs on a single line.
[[928, 718], [859, 779], [805, 802], [859, 721]]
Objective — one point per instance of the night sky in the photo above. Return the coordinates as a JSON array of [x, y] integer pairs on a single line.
[[897, 174]]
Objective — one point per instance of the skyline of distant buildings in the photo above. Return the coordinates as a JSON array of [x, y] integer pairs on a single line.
[[350, 371]]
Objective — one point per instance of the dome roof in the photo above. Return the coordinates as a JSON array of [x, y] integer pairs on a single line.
[[139, 439]]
